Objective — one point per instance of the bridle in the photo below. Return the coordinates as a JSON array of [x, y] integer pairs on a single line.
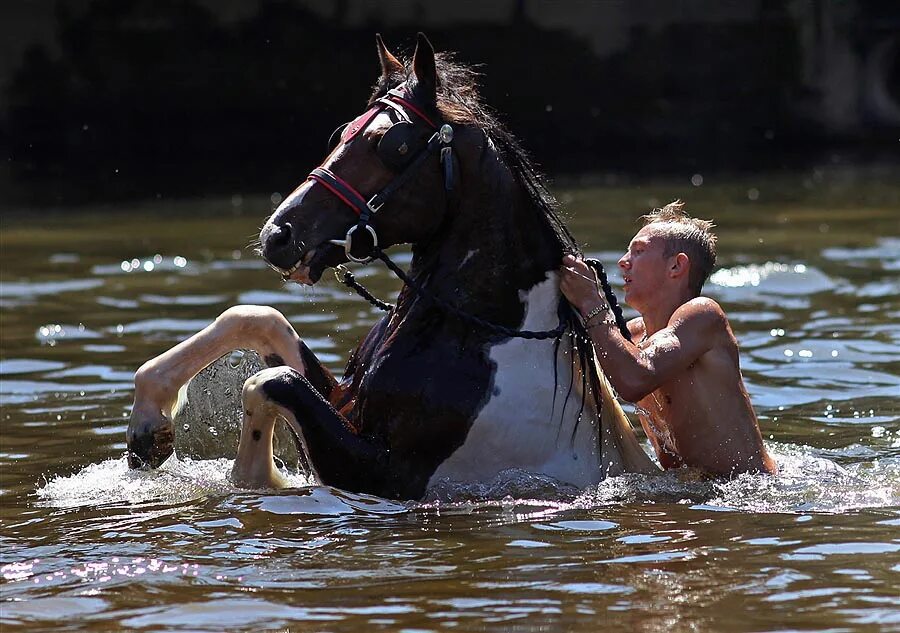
[[394, 150]]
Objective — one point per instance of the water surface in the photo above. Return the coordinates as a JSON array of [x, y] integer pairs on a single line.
[[808, 274]]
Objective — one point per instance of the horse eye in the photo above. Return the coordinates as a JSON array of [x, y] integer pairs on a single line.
[[336, 136]]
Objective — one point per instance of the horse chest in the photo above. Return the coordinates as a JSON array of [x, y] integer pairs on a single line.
[[422, 395], [535, 417]]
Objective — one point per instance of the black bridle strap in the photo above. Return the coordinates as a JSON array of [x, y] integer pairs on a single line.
[[346, 192], [378, 200]]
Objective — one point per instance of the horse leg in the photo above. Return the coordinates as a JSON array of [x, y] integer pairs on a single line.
[[150, 435], [338, 455]]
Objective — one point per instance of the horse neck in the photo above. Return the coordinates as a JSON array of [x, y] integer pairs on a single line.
[[493, 246]]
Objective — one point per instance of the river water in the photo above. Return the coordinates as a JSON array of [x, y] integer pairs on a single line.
[[809, 275]]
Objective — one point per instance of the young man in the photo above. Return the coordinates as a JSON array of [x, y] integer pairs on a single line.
[[682, 369]]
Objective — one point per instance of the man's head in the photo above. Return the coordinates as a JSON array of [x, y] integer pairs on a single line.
[[672, 247]]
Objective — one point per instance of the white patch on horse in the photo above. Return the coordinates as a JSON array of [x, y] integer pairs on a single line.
[[468, 257], [520, 427]]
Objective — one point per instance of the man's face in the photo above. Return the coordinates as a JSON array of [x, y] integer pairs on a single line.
[[644, 267]]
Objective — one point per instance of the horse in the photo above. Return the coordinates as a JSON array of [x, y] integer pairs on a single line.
[[480, 368]]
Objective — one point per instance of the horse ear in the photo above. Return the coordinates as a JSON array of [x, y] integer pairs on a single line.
[[424, 69], [389, 64]]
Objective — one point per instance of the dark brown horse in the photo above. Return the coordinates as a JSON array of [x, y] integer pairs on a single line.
[[443, 387]]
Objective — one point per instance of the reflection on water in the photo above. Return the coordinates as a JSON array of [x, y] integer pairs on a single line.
[[809, 280]]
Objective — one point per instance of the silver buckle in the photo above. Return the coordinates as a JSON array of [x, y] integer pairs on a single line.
[[347, 243], [374, 210]]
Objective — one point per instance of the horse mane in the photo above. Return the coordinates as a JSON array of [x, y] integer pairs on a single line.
[[459, 102]]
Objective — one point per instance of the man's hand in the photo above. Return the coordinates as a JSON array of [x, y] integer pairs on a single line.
[[579, 285]]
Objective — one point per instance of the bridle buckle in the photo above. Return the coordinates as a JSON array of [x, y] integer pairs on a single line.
[[374, 209]]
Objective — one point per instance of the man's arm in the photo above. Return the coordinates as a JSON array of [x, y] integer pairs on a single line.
[[693, 329]]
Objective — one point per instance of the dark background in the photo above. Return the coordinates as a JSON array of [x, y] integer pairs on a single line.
[[115, 99]]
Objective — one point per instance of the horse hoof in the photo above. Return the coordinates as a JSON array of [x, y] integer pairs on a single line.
[[150, 443]]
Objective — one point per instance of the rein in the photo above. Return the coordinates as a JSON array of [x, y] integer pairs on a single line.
[[347, 278]]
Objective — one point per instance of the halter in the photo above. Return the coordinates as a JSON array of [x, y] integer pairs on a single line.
[[441, 140]]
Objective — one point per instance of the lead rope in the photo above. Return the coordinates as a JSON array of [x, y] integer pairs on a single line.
[[610, 297], [348, 279]]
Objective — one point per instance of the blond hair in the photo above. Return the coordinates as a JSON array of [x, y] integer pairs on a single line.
[[691, 236]]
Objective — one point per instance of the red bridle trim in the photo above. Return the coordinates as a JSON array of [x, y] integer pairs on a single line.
[[333, 190], [407, 104], [359, 124]]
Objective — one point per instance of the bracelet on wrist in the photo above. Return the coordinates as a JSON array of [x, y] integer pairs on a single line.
[[600, 309]]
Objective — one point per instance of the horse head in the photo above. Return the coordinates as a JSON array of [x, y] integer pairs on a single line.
[[394, 150]]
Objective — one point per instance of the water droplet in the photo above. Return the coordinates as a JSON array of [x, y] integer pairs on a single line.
[[236, 359], [157, 259], [788, 353], [753, 193], [275, 198], [697, 180], [148, 265]]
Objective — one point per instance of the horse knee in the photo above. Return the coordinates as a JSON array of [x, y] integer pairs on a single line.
[[251, 322], [255, 395], [152, 383]]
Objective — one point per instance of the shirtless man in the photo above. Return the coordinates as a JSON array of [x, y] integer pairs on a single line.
[[682, 370]]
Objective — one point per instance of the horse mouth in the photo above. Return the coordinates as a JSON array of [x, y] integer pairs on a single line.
[[308, 269]]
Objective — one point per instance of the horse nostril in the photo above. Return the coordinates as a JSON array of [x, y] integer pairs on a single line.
[[281, 235]]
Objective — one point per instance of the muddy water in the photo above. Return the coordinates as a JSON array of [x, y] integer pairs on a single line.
[[809, 274]]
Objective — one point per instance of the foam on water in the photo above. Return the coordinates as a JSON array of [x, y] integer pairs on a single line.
[[806, 482], [176, 481]]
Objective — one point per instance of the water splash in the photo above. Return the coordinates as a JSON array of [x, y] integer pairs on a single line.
[[806, 482], [177, 481]]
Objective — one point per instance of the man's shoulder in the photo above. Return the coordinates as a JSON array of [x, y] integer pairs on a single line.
[[702, 311]]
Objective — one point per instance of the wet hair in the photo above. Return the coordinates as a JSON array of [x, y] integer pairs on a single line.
[[684, 234]]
